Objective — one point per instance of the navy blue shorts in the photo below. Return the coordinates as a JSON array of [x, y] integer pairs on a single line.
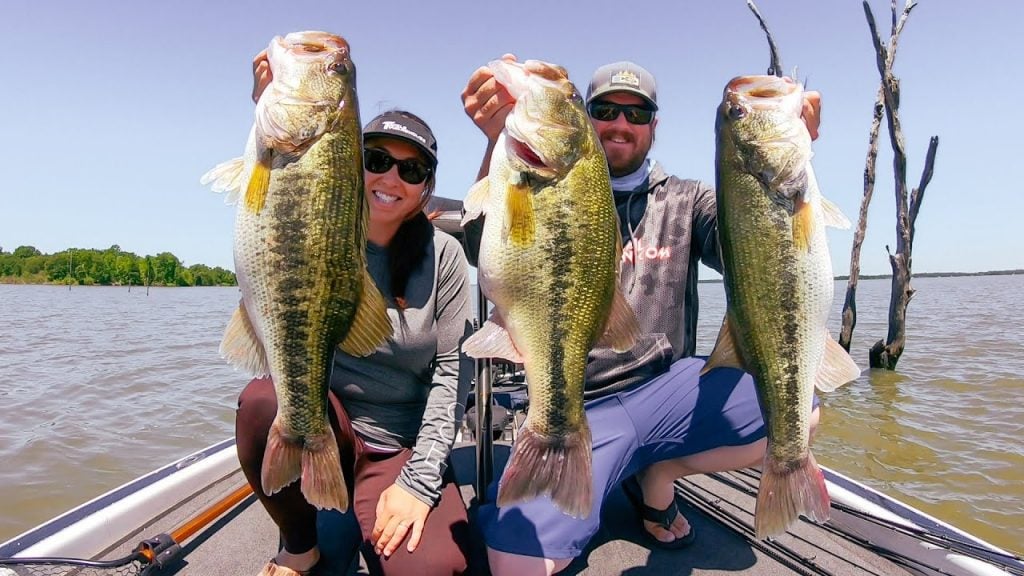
[[673, 415]]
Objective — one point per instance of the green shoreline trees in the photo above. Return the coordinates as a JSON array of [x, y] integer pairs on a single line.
[[110, 267]]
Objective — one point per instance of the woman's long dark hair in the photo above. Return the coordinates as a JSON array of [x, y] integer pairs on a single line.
[[409, 245]]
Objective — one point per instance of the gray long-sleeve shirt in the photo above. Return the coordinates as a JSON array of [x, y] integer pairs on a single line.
[[411, 392], [674, 226]]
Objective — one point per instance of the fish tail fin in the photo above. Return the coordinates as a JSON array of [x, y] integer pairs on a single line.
[[555, 465], [282, 460], [785, 492], [323, 483]]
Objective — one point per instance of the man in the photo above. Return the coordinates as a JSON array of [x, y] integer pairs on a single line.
[[653, 417]]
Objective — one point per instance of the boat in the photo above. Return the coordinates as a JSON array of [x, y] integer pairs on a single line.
[[198, 516]]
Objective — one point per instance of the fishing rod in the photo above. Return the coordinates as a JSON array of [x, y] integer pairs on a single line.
[[148, 557], [958, 546]]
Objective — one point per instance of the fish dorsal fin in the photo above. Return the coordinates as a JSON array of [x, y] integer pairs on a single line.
[[241, 346], [259, 182], [725, 353], [475, 203], [520, 224], [371, 326], [837, 367], [226, 177], [492, 341], [622, 328], [834, 217]]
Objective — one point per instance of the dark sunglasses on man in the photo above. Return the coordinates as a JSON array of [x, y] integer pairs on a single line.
[[609, 111], [410, 170]]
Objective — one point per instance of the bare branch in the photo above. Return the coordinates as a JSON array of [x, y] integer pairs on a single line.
[[775, 67], [917, 194]]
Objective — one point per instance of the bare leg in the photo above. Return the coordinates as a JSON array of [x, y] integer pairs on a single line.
[[657, 480], [505, 563]]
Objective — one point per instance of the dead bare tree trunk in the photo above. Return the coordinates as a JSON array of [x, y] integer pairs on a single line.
[[885, 354], [850, 304]]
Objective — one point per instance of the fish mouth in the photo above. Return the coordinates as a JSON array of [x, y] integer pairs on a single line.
[[315, 46], [763, 92], [522, 151]]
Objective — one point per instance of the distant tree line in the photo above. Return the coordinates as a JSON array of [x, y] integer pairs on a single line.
[[110, 267]]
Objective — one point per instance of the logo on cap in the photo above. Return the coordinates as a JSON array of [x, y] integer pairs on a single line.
[[393, 126], [626, 77]]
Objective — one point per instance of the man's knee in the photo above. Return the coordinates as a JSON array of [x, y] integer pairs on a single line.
[[508, 564]]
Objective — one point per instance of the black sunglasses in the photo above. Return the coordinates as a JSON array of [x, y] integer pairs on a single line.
[[410, 170], [608, 111]]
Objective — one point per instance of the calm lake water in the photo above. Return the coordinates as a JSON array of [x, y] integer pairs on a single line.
[[99, 385]]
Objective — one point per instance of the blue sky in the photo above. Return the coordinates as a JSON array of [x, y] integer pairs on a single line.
[[113, 110]]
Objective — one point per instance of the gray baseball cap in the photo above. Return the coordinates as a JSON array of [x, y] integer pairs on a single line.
[[623, 76]]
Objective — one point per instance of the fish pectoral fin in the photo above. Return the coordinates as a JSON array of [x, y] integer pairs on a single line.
[[725, 353], [475, 203], [837, 367], [259, 182], [803, 224], [241, 346], [834, 217], [520, 224], [492, 341], [371, 326], [226, 177], [622, 329]]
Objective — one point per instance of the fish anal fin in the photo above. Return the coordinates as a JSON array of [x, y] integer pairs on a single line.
[[837, 367], [803, 224], [371, 326], [259, 183], [241, 346], [725, 354], [492, 341], [622, 328], [476, 200], [520, 222]]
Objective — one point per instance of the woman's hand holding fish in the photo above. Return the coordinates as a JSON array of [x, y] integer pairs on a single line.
[[399, 514]]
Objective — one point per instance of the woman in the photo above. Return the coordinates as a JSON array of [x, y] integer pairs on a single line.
[[395, 412]]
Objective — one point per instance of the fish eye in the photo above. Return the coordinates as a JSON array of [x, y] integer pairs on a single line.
[[736, 112]]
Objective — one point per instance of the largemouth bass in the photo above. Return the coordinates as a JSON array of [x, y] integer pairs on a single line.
[[549, 257], [300, 239], [778, 285]]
